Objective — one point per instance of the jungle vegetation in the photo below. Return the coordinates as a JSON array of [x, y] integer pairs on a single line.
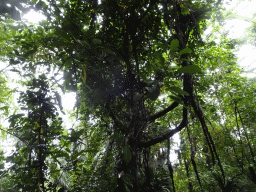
[[142, 72]]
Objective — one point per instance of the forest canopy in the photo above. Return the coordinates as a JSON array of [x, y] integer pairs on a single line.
[[141, 72]]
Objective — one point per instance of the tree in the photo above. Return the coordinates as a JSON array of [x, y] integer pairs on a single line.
[[142, 73]]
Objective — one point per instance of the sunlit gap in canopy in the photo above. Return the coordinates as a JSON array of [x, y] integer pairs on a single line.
[[69, 98], [34, 17], [235, 28]]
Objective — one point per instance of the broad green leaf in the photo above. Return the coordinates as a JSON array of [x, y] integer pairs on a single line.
[[25, 135], [174, 45], [2, 166], [178, 90], [84, 75], [175, 98], [127, 153], [190, 69], [107, 51], [96, 41], [185, 51], [65, 132], [159, 59]]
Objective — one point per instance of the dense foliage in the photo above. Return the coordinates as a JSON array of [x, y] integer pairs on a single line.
[[142, 73]]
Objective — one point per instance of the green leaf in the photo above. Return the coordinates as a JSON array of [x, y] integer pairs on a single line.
[[84, 75], [62, 154], [26, 135], [31, 52], [74, 157], [127, 153], [2, 166], [185, 51], [159, 59], [68, 62], [175, 98], [107, 51], [161, 45], [96, 41], [174, 45], [178, 90], [190, 69]]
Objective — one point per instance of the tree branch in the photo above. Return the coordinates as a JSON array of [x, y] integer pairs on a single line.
[[207, 134], [168, 134], [163, 112]]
